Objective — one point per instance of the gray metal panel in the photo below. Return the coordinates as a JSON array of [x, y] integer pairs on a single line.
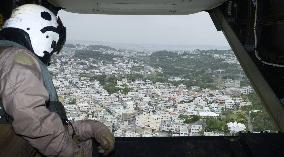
[[271, 101], [137, 7]]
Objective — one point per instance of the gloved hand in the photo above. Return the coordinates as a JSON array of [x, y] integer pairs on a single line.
[[87, 129], [85, 149]]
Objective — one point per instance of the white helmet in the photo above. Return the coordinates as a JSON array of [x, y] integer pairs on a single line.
[[45, 31]]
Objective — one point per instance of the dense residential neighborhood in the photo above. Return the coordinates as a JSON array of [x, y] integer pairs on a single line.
[[136, 95]]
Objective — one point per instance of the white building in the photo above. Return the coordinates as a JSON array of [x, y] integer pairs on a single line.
[[213, 134], [183, 131], [195, 130], [147, 120], [235, 127], [208, 114], [230, 104], [247, 90], [232, 83]]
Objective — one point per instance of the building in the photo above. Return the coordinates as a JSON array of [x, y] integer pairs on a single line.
[[195, 130]]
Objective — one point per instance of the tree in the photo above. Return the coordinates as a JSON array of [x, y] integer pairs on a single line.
[[111, 88], [216, 125], [239, 116], [261, 121], [189, 119], [72, 101], [125, 89], [100, 78], [133, 77]]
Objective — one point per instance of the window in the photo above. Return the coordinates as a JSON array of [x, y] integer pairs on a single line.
[[147, 76]]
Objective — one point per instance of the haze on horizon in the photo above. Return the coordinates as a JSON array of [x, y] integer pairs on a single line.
[[195, 29]]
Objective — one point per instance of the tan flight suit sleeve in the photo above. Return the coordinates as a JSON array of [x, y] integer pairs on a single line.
[[23, 96]]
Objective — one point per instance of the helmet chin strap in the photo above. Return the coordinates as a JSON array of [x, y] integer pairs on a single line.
[[46, 58]]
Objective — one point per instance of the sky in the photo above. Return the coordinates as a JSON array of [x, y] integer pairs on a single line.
[[195, 29]]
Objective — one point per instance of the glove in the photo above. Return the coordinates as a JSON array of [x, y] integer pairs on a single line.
[[87, 129], [85, 149]]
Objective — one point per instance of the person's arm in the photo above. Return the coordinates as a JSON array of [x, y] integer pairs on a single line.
[[24, 97]]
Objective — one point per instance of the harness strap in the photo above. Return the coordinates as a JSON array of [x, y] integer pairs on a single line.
[[57, 107], [4, 117], [54, 105]]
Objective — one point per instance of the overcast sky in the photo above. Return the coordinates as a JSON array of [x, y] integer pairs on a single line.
[[196, 29]]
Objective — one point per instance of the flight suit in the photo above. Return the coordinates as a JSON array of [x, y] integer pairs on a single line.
[[24, 98]]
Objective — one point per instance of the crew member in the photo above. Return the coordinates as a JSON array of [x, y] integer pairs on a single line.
[[32, 120]]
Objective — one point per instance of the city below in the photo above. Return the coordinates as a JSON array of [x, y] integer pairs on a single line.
[[158, 93]]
